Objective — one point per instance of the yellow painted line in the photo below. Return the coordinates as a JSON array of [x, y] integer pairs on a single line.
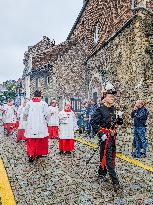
[[6, 194], [135, 162], [90, 144], [132, 161]]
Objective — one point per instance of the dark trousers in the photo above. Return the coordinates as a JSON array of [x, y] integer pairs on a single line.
[[110, 166]]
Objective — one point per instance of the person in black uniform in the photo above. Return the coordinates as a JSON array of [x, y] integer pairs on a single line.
[[104, 122]]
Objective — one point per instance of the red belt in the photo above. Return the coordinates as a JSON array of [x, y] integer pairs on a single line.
[[108, 132]]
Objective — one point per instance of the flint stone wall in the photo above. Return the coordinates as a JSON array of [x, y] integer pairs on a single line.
[[127, 61], [68, 76]]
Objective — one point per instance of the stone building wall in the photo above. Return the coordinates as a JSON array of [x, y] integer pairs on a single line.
[[110, 15], [67, 76], [107, 16], [145, 3], [33, 51], [148, 74], [127, 62], [150, 5]]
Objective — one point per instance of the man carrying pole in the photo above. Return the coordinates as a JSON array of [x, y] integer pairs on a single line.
[[104, 122]]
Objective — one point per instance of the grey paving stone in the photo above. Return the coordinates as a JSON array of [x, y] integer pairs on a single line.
[[68, 180]]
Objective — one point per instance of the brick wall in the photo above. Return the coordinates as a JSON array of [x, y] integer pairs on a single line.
[[150, 5], [110, 14]]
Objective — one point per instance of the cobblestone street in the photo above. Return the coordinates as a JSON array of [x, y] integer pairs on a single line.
[[67, 180]]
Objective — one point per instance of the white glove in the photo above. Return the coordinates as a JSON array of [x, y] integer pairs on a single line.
[[104, 137], [120, 114]]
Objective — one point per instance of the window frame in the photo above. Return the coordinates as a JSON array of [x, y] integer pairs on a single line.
[[97, 30]]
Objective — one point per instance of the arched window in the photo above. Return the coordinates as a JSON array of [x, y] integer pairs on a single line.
[[30, 63], [97, 33], [38, 83], [48, 80], [140, 3]]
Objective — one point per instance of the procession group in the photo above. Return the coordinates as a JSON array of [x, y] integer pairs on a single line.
[[36, 123]]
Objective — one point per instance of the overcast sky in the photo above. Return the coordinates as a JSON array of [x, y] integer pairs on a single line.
[[23, 23]]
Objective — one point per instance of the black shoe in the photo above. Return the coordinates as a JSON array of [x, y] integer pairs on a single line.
[[38, 156], [100, 171], [80, 131], [103, 178], [102, 174], [143, 156], [117, 187], [31, 159], [68, 152], [133, 154]]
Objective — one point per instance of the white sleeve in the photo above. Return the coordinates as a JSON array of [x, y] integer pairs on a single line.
[[19, 112], [5, 108], [15, 109], [26, 111], [75, 122], [46, 110]]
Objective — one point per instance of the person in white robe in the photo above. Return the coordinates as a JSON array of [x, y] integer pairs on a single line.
[[1, 114], [53, 121], [9, 117], [67, 124], [22, 122], [36, 132]]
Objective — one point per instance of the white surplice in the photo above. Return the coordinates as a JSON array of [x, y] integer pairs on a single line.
[[22, 122], [9, 114], [53, 119], [36, 114], [66, 125]]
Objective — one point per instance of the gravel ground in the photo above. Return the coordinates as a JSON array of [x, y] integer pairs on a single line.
[[66, 180]]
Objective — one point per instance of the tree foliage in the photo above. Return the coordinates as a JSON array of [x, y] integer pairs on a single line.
[[10, 91]]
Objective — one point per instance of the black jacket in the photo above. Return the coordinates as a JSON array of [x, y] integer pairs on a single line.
[[105, 117]]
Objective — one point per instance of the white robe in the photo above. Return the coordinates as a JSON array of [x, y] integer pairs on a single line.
[[53, 119], [22, 122], [1, 112], [9, 114], [66, 125], [36, 114]]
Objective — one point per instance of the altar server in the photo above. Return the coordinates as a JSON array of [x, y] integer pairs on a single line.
[[36, 132], [53, 121], [22, 122], [66, 129], [9, 117]]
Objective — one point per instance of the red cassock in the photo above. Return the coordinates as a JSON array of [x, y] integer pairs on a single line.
[[20, 135], [10, 127], [17, 124], [66, 145], [37, 147], [66, 134], [53, 132]]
